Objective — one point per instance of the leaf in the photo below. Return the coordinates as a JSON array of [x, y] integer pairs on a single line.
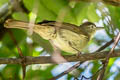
[[35, 6], [114, 13], [20, 16], [80, 11], [69, 16], [6, 52], [91, 13], [2, 2], [95, 67], [12, 72], [19, 35], [39, 73], [108, 73], [55, 5], [61, 9], [108, 31]]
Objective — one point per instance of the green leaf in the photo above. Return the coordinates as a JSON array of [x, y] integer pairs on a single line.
[[108, 31], [36, 7], [6, 52], [114, 13], [108, 72], [55, 5], [91, 13], [39, 74], [69, 16], [2, 2], [20, 16], [19, 35], [29, 4], [61, 9], [80, 11], [11, 72], [96, 66]]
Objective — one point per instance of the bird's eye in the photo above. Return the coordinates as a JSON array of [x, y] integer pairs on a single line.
[[92, 26]]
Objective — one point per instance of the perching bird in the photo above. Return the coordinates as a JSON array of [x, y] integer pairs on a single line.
[[67, 37]]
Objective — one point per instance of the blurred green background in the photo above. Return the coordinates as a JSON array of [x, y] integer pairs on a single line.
[[76, 13]]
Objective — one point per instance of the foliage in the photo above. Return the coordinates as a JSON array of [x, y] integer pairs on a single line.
[[71, 12]]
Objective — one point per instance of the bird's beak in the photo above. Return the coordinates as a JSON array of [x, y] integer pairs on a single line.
[[99, 28]]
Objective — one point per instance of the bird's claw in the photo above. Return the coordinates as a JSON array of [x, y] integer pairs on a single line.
[[78, 54]]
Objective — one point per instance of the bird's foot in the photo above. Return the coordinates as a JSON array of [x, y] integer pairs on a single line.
[[78, 54]]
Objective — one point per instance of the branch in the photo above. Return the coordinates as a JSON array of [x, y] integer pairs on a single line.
[[111, 2], [69, 58], [101, 75], [105, 45], [79, 63], [20, 53], [67, 71]]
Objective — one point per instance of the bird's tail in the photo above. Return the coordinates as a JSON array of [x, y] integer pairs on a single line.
[[10, 23], [45, 31]]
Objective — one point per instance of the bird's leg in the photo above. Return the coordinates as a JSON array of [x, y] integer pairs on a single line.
[[79, 53]]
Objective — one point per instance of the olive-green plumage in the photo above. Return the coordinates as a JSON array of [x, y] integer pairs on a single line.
[[65, 36]]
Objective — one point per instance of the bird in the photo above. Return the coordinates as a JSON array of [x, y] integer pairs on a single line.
[[65, 36]]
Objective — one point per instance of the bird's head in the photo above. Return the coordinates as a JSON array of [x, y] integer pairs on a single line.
[[90, 28]]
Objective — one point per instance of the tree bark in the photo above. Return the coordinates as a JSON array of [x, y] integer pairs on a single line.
[[70, 58]]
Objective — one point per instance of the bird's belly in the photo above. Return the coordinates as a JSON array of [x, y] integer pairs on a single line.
[[65, 37], [63, 45]]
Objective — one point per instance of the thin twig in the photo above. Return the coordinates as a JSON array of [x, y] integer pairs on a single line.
[[101, 75], [67, 71], [83, 77], [15, 42], [100, 49], [105, 45], [20, 53], [24, 70]]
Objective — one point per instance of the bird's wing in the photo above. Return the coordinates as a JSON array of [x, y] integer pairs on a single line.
[[62, 25], [74, 40]]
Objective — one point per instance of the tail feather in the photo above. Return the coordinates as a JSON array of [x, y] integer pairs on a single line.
[[10, 23], [45, 31]]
